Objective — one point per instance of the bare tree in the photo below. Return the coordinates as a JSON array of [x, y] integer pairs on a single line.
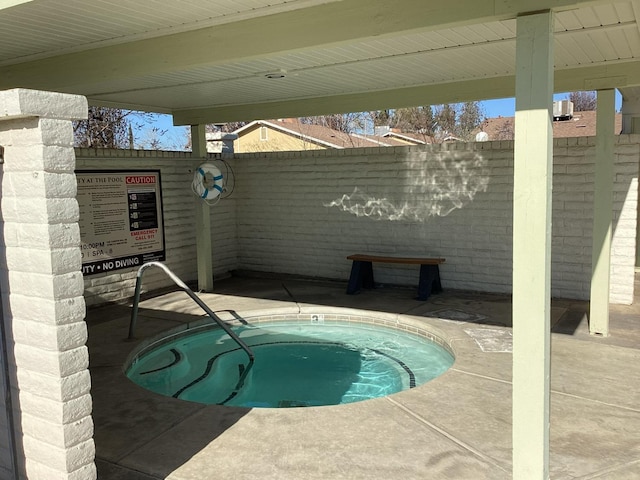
[[107, 127], [226, 127], [506, 131], [104, 128], [342, 122], [583, 101], [154, 138]]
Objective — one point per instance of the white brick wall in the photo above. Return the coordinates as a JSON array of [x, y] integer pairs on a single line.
[[43, 306], [304, 212], [176, 171], [625, 199]]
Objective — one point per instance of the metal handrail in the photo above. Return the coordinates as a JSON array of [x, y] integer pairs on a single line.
[[194, 297]]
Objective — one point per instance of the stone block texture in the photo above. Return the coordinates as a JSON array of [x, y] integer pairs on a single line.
[[302, 213], [42, 291]]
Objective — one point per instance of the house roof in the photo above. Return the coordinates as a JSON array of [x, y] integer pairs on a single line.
[[582, 124], [215, 61], [416, 138], [384, 141], [319, 134]]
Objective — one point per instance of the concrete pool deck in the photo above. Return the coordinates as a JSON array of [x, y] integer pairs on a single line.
[[457, 426]]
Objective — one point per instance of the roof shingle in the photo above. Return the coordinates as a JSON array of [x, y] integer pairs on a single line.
[[582, 124]]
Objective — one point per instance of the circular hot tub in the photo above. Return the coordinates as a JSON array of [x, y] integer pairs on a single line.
[[300, 361]]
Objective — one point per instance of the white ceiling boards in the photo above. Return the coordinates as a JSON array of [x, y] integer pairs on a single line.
[[211, 60]]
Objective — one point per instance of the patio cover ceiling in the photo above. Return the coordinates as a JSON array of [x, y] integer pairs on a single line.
[[208, 61]]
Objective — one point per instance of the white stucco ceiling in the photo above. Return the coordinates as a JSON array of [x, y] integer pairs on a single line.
[[208, 60]]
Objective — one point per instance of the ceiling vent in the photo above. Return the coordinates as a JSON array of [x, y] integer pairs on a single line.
[[562, 110]]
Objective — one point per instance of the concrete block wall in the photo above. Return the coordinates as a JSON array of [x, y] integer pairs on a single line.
[[176, 172], [573, 216], [305, 215], [304, 212], [625, 208], [42, 304]]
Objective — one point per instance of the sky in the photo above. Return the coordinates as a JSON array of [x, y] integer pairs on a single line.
[[174, 138]]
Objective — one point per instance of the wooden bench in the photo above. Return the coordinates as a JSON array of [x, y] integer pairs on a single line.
[[362, 273]]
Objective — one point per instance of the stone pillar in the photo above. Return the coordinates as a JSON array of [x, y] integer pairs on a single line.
[[42, 287], [533, 172]]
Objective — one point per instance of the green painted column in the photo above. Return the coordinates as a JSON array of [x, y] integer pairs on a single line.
[[204, 246], [602, 215], [533, 171]]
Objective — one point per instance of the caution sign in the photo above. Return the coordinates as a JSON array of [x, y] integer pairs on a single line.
[[121, 224]]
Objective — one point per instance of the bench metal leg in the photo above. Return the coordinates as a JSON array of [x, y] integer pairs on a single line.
[[361, 277], [429, 281]]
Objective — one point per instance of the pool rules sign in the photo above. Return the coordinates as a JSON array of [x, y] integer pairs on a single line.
[[121, 224]]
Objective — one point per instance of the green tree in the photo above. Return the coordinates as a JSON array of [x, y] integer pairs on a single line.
[[458, 120], [469, 118], [414, 120], [380, 117], [445, 120]]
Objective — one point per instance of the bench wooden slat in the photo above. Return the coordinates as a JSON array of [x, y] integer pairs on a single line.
[[362, 273], [408, 260]]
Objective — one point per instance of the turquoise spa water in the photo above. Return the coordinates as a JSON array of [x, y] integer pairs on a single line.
[[296, 364]]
